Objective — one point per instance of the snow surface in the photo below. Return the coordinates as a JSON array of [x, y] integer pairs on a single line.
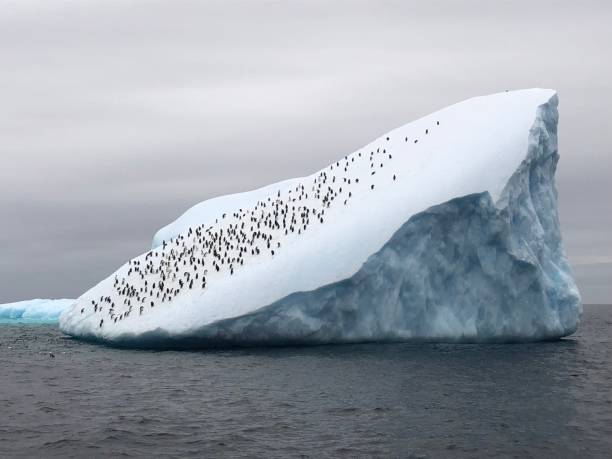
[[33, 311], [496, 270]]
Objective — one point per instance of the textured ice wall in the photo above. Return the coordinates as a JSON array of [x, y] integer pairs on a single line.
[[466, 270]]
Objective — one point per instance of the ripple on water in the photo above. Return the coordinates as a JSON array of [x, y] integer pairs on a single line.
[[436, 400]]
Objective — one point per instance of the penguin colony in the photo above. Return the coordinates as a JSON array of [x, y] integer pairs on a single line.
[[193, 260]]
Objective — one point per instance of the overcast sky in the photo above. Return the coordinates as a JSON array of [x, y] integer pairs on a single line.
[[116, 116]]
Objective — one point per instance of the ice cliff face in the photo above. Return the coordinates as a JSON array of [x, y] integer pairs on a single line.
[[469, 269], [484, 264]]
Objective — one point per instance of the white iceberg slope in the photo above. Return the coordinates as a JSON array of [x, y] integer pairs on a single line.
[[463, 244], [33, 311]]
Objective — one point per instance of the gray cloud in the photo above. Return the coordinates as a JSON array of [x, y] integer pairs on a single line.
[[115, 117]]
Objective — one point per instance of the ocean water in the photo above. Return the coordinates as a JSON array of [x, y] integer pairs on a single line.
[[373, 400]]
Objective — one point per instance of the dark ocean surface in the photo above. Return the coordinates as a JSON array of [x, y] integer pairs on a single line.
[[372, 400]]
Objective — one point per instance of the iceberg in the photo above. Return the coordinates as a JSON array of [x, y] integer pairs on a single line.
[[444, 229], [37, 311]]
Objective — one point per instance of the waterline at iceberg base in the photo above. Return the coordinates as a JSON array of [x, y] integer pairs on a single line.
[[445, 229]]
